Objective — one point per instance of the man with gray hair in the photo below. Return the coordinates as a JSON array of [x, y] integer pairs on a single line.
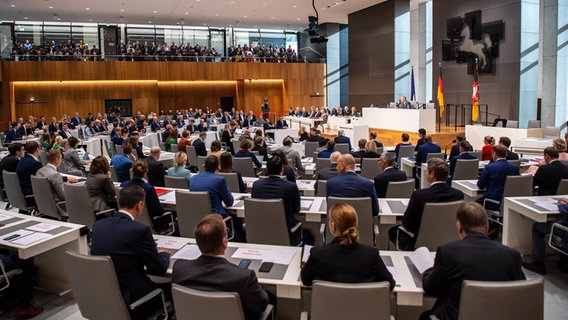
[[387, 163], [331, 171], [341, 138], [156, 169]]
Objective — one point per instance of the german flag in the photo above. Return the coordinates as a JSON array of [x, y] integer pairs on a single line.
[[441, 93], [475, 98]]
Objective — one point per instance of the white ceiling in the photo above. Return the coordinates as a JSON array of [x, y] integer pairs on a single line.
[[271, 14]]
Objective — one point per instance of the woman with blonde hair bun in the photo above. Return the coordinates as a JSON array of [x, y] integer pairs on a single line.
[[344, 259]]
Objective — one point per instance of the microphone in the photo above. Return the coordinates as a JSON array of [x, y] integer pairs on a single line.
[[446, 148]]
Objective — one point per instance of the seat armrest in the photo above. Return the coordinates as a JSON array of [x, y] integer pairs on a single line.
[[294, 228], [106, 213], [376, 234], [491, 201], [147, 298], [165, 214], [322, 232], [267, 313]]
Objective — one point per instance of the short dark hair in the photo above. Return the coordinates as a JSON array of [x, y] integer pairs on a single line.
[[427, 139], [505, 141], [130, 195], [99, 165], [330, 145], [287, 141], [126, 148], [472, 217], [500, 150], [73, 141], [245, 144], [465, 145], [460, 137], [209, 233], [53, 155], [211, 163], [274, 165], [14, 147], [551, 152], [373, 135], [226, 162], [405, 137], [440, 168], [31, 147], [422, 131]]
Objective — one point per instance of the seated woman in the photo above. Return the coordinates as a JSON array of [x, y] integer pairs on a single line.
[[56, 142], [136, 146], [89, 130], [73, 163], [260, 146], [155, 208], [226, 137], [303, 134], [244, 152], [487, 150], [288, 171], [184, 141], [405, 142], [215, 149], [179, 170], [370, 150], [99, 185], [344, 259], [172, 139], [46, 141], [226, 163]]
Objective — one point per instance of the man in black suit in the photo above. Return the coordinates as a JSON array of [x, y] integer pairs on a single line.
[[199, 145], [422, 134], [281, 123], [64, 132], [390, 173], [438, 171], [373, 137], [212, 272], [331, 171], [548, 176], [27, 167], [156, 169], [507, 143], [192, 127], [41, 123], [132, 248], [274, 187], [475, 257], [315, 136], [10, 162]]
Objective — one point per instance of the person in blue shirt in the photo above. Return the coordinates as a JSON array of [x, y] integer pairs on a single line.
[[329, 149], [123, 162], [493, 177], [341, 138], [214, 184], [13, 134]]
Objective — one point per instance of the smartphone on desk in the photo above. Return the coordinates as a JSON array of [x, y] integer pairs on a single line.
[[266, 267], [244, 264]]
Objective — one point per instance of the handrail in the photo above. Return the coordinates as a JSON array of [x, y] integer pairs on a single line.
[[465, 111]]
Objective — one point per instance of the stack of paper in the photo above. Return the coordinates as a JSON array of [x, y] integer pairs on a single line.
[[422, 259]]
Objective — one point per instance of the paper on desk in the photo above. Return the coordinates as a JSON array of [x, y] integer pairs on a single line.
[[20, 233], [31, 238], [168, 197], [306, 204], [42, 227], [189, 252], [547, 203], [306, 255], [4, 216], [392, 270], [422, 259], [279, 256], [169, 243]]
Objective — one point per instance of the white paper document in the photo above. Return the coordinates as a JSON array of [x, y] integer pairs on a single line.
[[547, 203], [189, 252], [392, 270], [422, 259], [306, 255], [4, 216], [306, 204], [168, 197], [168, 243], [31, 238], [42, 227], [279, 256]]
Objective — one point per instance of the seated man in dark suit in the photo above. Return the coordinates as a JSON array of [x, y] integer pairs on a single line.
[[199, 145], [202, 126], [464, 154], [349, 184], [10, 162], [390, 173], [475, 257], [281, 123], [315, 136], [156, 169], [456, 147], [21, 287], [422, 154], [331, 171], [155, 125], [505, 141], [548, 176], [27, 167], [329, 149], [373, 137], [64, 132], [437, 174], [132, 248], [191, 127], [212, 272], [341, 138], [13, 134], [493, 177]]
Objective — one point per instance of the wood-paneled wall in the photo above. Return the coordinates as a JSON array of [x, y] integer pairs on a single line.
[[68, 87]]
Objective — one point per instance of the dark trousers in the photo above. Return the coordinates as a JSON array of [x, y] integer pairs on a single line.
[[539, 239], [23, 284], [405, 241]]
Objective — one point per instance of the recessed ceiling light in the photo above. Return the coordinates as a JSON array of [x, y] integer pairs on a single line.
[[13, 5], [90, 20], [155, 11], [232, 2], [187, 13], [264, 4], [58, 19], [271, 17], [294, 6], [216, 14], [87, 9], [204, 24], [245, 16], [25, 18], [50, 7], [149, 21], [297, 18], [121, 10]]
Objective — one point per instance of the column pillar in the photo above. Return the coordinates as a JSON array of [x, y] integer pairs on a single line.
[[548, 51]]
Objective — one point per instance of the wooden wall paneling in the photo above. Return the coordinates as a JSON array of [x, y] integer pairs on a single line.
[[194, 94]]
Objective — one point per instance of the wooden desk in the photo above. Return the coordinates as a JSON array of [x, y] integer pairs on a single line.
[[49, 252], [519, 214]]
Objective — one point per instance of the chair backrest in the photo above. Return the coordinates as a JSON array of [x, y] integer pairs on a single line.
[[244, 166], [477, 154], [516, 162], [235, 145], [322, 163], [266, 222], [201, 162], [562, 187], [118, 148], [95, 286], [533, 124], [370, 168], [232, 180], [204, 305], [176, 182], [162, 145], [191, 207], [329, 301], [400, 189], [518, 186], [174, 148], [523, 299], [310, 148], [466, 169], [342, 147], [113, 174], [405, 152], [145, 218], [551, 132], [42, 157], [44, 200], [14, 193], [107, 147], [512, 124], [76, 196], [364, 210], [322, 185], [438, 224], [432, 155], [191, 155]]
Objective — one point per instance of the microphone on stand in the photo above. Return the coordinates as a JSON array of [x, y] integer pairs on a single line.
[[446, 148]]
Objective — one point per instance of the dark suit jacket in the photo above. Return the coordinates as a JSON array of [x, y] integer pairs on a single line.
[[12, 135], [438, 192], [351, 185], [201, 128], [274, 187], [357, 263], [26, 167], [343, 139], [217, 274], [493, 177], [155, 126], [132, 248], [328, 172], [152, 202], [192, 128], [548, 177], [316, 138], [476, 257], [156, 172], [382, 180], [64, 135], [200, 148], [8, 163], [454, 151], [424, 150], [281, 124], [218, 190]]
